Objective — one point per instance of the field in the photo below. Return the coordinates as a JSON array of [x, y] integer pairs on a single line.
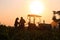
[[12, 33]]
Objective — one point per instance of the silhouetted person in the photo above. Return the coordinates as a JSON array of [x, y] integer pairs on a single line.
[[16, 22], [22, 22]]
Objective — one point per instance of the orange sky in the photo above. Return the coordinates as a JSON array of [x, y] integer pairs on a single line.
[[10, 9]]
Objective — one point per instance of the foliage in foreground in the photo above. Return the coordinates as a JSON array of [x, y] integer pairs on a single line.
[[11, 33]]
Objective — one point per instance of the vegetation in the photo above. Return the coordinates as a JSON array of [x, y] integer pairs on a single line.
[[12, 33]]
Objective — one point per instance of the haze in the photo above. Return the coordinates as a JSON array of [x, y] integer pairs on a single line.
[[10, 9]]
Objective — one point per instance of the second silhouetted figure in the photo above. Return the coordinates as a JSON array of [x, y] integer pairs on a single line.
[[22, 22]]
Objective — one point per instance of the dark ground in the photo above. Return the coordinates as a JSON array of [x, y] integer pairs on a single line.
[[12, 33]]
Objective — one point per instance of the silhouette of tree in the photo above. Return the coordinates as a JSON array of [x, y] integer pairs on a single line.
[[54, 17], [58, 12], [59, 18]]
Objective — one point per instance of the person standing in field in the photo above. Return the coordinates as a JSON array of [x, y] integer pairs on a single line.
[[16, 24], [22, 22]]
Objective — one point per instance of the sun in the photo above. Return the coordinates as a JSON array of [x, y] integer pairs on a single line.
[[36, 7]]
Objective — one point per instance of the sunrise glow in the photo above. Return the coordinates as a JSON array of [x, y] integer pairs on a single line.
[[36, 7]]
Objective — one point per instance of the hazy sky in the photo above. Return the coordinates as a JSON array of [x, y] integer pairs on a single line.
[[10, 9]]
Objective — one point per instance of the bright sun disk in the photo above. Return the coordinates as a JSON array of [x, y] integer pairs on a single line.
[[36, 7]]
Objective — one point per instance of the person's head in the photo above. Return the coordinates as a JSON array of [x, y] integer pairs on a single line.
[[17, 18], [21, 17]]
